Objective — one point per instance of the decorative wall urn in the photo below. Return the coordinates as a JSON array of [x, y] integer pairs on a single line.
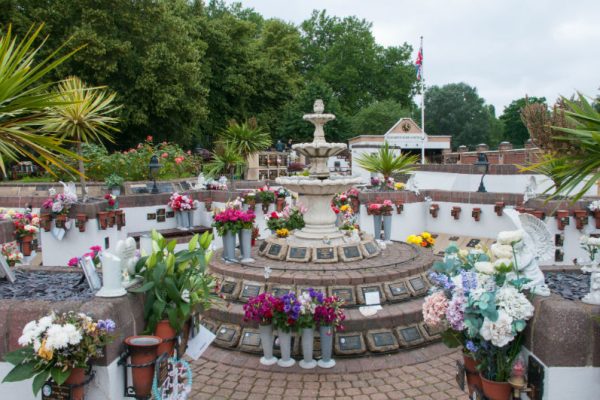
[[399, 207], [120, 216], [581, 218], [562, 219], [45, 222], [476, 214], [539, 214], [111, 219], [520, 209], [596, 215], [456, 212], [434, 209], [60, 221], [80, 222], [102, 220], [499, 208], [208, 204]]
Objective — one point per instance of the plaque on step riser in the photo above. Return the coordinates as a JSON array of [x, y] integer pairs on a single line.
[[210, 325], [250, 289], [263, 247], [417, 285], [346, 294], [431, 333], [278, 291], [304, 289], [276, 251], [324, 255], [370, 249], [228, 335], [349, 343], [366, 288], [298, 254], [230, 289], [381, 340], [397, 291], [350, 253], [250, 341], [409, 335]]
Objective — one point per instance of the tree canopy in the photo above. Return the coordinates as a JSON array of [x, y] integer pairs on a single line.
[[514, 129]]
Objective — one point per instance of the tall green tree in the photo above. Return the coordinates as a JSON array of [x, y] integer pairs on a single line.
[[456, 109], [378, 118], [514, 129]]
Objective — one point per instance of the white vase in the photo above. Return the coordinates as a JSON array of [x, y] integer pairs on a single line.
[[326, 333], [387, 228], [229, 246], [285, 344], [266, 341], [308, 336], [246, 245]]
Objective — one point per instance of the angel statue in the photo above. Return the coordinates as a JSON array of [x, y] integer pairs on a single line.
[[126, 251], [530, 189], [532, 243], [412, 185]]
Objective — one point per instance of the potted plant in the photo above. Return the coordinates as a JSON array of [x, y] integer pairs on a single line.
[[249, 199], [114, 182], [59, 204], [26, 228], [285, 315], [260, 309], [176, 284], [143, 351], [59, 347], [281, 195], [11, 252], [266, 197], [228, 223], [183, 205], [328, 318]]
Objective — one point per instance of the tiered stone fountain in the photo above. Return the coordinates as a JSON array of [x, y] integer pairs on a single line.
[[323, 257]]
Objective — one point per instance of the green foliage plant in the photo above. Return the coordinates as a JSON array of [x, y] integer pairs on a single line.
[[386, 162], [114, 181]]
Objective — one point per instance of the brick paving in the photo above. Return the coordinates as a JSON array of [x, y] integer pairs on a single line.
[[420, 374]]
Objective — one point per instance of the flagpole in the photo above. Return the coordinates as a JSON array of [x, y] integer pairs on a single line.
[[422, 107]]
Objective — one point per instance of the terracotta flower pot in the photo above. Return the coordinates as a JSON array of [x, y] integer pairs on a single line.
[[45, 220], [473, 377], [280, 204], [81, 220], [496, 390], [143, 351], [77, 377], [167, 333], [102, 220], [597, 218], [26, 247], [111, 218], [60, 221], [120, 216]]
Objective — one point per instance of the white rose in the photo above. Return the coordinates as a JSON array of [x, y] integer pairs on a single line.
[[593, 241], [499, 332], [502, 250], [509, 237], [485, 267]]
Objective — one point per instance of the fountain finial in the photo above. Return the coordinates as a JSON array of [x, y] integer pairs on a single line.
[[319, 106]]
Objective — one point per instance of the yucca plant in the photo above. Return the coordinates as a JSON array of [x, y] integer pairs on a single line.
[[570, 170], [85, 116], [386, 162], [25, 99], [246, 137], [225, 160]]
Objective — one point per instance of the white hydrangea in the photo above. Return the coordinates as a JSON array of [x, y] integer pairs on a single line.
[[502, 250], [56, 337], [485, 267], [590, 241], [514, 303], [502, 261], [72, 333], [485, 283], [509, 237], [499, 332], [594, 205], [29, 333]]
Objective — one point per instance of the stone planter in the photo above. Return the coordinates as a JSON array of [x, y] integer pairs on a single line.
[[26, 246], [229, 246], [266, 341], [308, 336], [143, 351], [285, 343], [168, 334], [326, 333], [377, 226], [246, 245], [496, 390], [387, 228]]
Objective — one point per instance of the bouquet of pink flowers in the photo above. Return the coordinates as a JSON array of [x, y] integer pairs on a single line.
[[260, 308], [384, 208], [329, 313], [180, 202], [233, 220], [94, 254], [11, 252], [26, 224], [59, 203]]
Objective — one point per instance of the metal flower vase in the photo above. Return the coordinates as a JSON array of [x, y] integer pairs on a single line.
[[285, 344], [326, 333], [246, 245], [179, 219], [308, 336], [189, 218], [229, 246], [266, 341], [387, 228], [377, 226]]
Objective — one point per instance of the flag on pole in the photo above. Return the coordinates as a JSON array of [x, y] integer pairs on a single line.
[[419, 63]]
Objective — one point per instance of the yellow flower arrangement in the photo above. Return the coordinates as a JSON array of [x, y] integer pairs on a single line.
[[399, 186], [345, 207], [282, 233], [44, 352], [425, 239]]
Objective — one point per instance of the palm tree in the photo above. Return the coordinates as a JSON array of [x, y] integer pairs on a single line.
[[84, 117], [386, 162], [246, 138], [25, 100], [225, 160]]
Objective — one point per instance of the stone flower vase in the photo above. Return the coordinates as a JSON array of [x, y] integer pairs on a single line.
[[168, 334], [26, 246], [45, 220], [387, 228], [143, 351], [229, 246], [265, 207], [266, 341], [285, 343], [189, 218], [308, 336], [179, 220], [377, 226], [496, 390], [473, 377], [77, 377], [246, 244], [326, 333]]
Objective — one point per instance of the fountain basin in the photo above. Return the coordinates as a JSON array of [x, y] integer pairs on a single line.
[[315, 187]]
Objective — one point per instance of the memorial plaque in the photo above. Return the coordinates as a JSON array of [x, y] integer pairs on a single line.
[[138, 189], [250, 291], [371, 248], [399, 289], [325, 253], [263, 246], [345, 294], [150, 216], [280, 291], [384, 339], [185, 186], [411, 334], [298, 253], [210, 325], [432, 332], [161, 218], [52, 391], [274, 249], [350, 343], [370, 289], [161, 211], [473, 242], [417, 283], [454, 238], [228, 287], [251, 339], [351, 252], [170, 214], [226, 334]]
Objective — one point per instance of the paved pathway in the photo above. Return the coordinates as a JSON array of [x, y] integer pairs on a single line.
[[420, 374]]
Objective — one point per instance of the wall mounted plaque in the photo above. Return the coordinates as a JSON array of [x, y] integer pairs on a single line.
[[324, 255], [350, 342], [350, 252], [344, 293], [150, 216], [161, 211], [161, 218], [473, 242], [298, 254], [170, 214]]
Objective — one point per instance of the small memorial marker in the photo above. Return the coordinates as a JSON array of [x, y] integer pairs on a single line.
[[411, 334], [280, 291], [398, 289], [298, 253], [250, 291], [263, 247], [473, 242], [345, 294], [226, 334], [274, 249], [350, 343], [418, 284], [170, 214], [325, 253], [251, 339], [228, 287], [384, 339], [150, 216]]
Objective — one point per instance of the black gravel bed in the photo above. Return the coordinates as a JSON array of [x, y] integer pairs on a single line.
[[54, 286], [568, 285]]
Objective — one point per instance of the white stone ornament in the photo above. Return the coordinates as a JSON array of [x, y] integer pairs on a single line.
[[126, 250], [593, 297], [111, 276], [530, 190]]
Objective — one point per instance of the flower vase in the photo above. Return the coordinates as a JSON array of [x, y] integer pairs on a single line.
[[597, 218], [77, 379], [326, 333], [143, 351], [45, 220], [229, 246], [280, 204], [387, 228], [26, 247], [308, 337], [496, 390], [473, 377], [168, 334], [355, 204], [190, 218], [265, 207], [285, 344], [246, 245], [60, 221], [377, 226], [266, 341], [338, 220]]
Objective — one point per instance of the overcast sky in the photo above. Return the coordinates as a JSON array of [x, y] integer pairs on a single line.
[[505, 48]]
